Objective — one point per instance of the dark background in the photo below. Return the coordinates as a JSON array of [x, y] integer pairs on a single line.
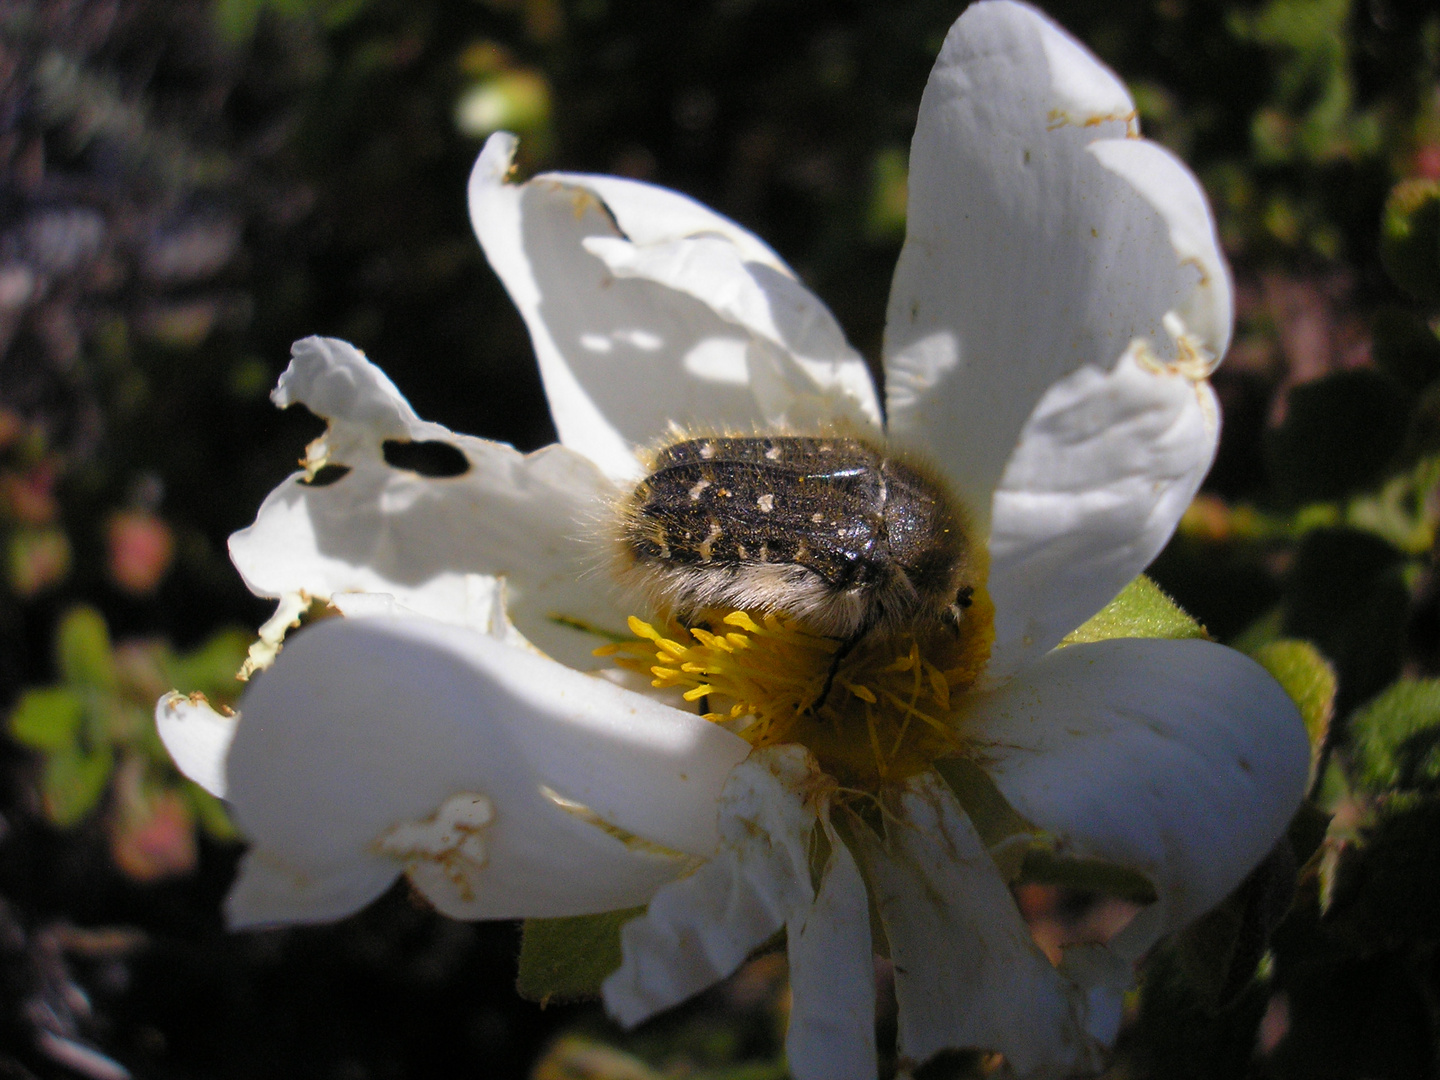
[[190, 186]]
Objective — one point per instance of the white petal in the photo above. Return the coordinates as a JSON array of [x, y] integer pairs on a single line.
[[1104, 469], [436, 546], [1164, 181], [1106, 974], [1031, 250], [801, 369], [1184, 760], [636, 327], [358, 742], [699, 929], [832, 977], [334, 380], [269, 889], [197, 737], [967, 972]]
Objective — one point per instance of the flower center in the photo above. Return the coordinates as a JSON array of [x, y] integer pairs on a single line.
[[872, 714]]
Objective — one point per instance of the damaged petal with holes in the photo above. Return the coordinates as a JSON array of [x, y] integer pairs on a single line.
[[740, 652]]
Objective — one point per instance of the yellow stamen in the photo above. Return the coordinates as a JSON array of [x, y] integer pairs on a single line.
[[888, 710]]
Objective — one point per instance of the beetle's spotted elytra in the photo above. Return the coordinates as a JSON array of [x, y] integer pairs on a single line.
[[836, 533], [820, 589]]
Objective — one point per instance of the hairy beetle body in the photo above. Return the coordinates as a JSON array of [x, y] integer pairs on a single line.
[[834, 533]]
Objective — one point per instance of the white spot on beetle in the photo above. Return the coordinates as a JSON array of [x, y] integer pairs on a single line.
[[707, 546]]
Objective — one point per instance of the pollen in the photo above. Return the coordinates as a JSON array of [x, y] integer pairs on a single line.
[[872, 715]]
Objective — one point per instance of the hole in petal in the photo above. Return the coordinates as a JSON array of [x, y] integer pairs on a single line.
[[327, 475], [433, 459]]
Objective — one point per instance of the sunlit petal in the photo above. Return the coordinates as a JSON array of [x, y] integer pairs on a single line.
[[699, 929], [832, 977], [647, 309], [505, 783], [1033, 248], [802, 371], [434, 545], [1105, 467], [197, 737], [967, 974], [1182, 759]]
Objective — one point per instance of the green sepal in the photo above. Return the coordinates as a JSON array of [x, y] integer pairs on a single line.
[[1142, 610], [1395, 739], [82, 650], [72, 784], [1333, 790], [567, 959], [1044, 867], [48, 718], [1310, 681], [1265, 629]]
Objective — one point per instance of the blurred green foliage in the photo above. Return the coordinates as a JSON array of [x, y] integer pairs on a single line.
[[191, 186], [97, 725]]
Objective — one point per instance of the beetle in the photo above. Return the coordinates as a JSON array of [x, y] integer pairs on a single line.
[[837, 533]]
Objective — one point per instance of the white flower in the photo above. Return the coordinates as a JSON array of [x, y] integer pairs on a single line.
[[1059, 302]]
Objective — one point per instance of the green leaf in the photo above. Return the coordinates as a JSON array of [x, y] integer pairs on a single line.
[[889, 193], [48, 719], [1410, 238], [82, 649], [1386, 893], [1142, 610], [236, 19], [1405, 346], [568, 959], [577, 1057], [72, 784], [211, 668], [1309, 680], [1395, 739], [1346, 593], [1340, 435], [336, 13], [517, 99]]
